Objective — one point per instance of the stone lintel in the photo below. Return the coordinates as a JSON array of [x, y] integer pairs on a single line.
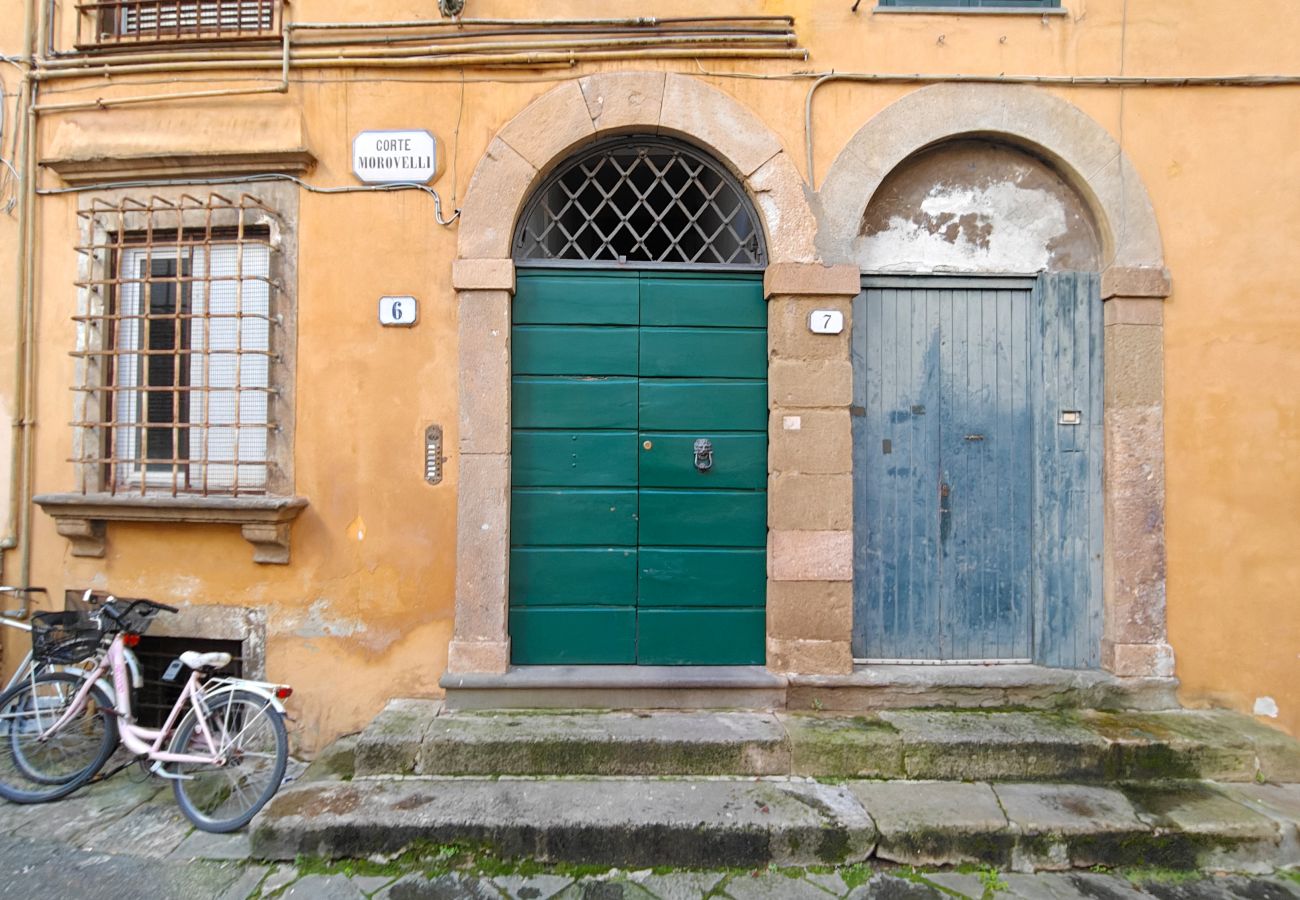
[[264, 521], [483, 275], [98, 169], [811, 279], [1135, 281]]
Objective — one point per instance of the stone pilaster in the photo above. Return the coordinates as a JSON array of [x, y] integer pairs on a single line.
[[1134, 640], [480, 638], [810, 472]]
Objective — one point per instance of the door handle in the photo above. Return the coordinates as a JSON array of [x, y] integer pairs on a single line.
[[945, 512], [703, 454]]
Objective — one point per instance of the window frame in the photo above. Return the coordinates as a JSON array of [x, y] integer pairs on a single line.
[[95, 379], [106, 22], [1023, 7]]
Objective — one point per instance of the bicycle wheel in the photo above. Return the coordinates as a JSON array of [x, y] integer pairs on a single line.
[[34, 770], [249, 733]]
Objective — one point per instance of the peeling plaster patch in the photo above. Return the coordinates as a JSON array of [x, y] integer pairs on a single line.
[[977, 206], [358, 527], [1266, 706], [315, 623], [998, 228]]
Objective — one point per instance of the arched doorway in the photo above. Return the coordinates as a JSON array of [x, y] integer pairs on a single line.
[[978, 456], [638, 472]]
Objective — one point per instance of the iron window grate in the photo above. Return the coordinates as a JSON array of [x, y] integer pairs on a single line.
[[106, 22], [177, 343], [641, 200]]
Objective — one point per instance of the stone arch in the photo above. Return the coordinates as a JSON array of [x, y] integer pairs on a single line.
[[545, 132], [540, 137], [1079, 149], [1134, 284]]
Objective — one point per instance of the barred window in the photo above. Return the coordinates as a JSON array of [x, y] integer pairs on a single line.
[[179, 344], [114, 21]]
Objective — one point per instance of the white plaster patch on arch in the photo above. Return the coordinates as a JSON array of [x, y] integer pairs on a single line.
[[1081, 150], [545, 132], [1027, 221]]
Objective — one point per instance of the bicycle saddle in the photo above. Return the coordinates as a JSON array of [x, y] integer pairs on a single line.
[[196, 660]]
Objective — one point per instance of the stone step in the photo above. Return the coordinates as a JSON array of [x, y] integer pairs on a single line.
[[412, 737], [720, 822]]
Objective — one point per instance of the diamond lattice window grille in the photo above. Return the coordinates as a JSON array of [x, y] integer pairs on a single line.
[[637, 201]]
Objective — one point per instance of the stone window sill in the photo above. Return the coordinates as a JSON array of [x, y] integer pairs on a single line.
[[264, 521]]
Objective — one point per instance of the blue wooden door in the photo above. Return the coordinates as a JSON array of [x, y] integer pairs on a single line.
[[970, 542]]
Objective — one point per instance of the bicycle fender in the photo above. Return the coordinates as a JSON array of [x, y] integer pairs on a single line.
[[264, 691]]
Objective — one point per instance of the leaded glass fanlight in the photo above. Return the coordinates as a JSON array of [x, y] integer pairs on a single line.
[[640, 201]]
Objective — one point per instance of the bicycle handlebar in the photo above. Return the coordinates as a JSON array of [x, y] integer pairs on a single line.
[[120, 615]]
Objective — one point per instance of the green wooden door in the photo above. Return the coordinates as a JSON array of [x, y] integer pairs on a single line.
[[622, 549]]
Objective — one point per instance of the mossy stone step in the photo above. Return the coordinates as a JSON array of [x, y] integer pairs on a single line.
[[752, 822], [422, 738]]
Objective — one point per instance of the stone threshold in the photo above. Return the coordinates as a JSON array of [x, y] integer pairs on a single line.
[[636, 822], [617, 687], [755, 687]]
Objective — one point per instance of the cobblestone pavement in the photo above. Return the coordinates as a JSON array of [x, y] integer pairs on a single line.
[[126, 837]]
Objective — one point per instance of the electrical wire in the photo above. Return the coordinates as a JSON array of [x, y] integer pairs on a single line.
[[267, 176]]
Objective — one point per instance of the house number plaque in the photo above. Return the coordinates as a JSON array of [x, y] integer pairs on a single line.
[[826, 321], [398, 311]]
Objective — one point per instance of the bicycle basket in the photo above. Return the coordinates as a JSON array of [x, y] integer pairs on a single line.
[[64, 637]]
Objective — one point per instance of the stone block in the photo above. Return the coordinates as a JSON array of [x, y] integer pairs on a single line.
[[809, 657], [708, 116], [842, 747], [1173, 745], [483, 275], [549, 127], [1131, 660], [788, 336], [1134, 311], [784, 204], [1135, 281], [961, 745], [799, 502], [484, 338], [810, 383], [1134, 549], [803, 279], [1134, 366], [623, 100], [499, 742], [489, 657], [811, 441], [497, 190], [937, 823], [1072, 825], [390, 744], [811, 556], [482, 549], [810, 610], [1226, 834]]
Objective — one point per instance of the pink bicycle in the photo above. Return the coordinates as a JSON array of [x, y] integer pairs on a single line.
[[223, 745]]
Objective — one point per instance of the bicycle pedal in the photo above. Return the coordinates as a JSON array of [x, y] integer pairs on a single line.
[[157, 769]]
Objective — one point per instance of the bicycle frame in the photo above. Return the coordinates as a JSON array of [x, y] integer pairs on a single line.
[[144, 741]]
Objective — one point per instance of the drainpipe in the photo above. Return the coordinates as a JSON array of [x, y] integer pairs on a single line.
[[20, 485]]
